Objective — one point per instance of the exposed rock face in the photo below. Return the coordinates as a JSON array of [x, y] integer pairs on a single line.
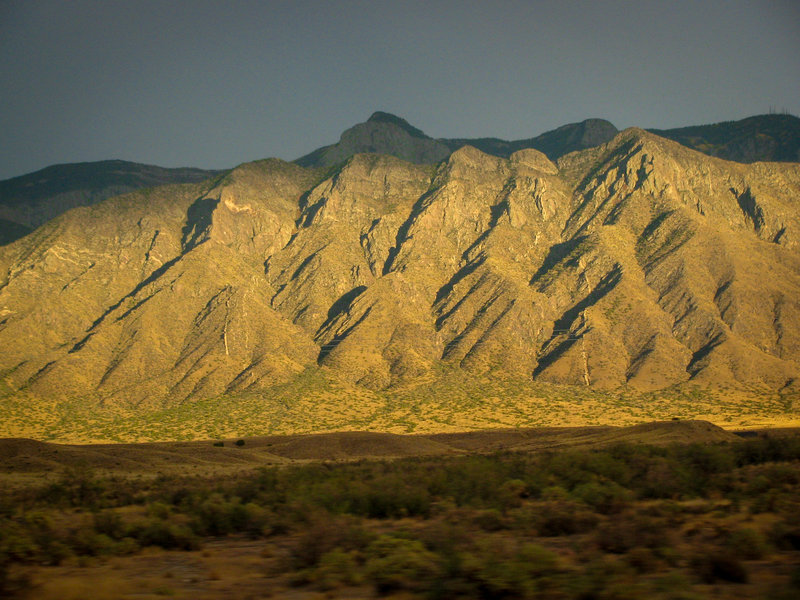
[[33, 199], [638, 263]]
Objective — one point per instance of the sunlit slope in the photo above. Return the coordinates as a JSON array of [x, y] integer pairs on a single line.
[[637, 264]]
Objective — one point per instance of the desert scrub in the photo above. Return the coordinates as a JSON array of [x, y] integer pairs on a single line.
[[395, 563]]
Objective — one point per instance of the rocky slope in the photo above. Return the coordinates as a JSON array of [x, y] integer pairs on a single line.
[[33, 199], [636, 263]]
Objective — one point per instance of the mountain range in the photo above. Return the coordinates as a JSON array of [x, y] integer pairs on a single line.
[[30, 200], [637, 263]]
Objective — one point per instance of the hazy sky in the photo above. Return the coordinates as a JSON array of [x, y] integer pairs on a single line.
[[214, 84]]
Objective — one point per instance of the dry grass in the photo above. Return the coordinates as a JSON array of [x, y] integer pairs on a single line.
[[316, 401]]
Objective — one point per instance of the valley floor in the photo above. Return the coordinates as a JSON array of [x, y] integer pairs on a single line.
[[316, 401], [669, 510]]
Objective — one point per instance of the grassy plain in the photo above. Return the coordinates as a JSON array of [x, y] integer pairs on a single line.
[[317, 401]]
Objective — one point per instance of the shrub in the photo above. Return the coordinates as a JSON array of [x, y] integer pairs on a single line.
[[490, 520], [394, 563], [109, 523], [511, 493], [325, 533], [240, 443], [604, 497], [785, 534], [643, 560], [498, 570], [628, 531], [155, 532], [337, 568], [77, 487], [86, 542], [605, 579], [553, 519], [217, 516]]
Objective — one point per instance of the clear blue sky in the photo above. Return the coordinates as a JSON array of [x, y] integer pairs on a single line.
[[214, 84]]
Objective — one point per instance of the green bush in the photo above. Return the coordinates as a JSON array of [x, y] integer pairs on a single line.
[[85, 542], [78, 486], [336, 569], [325, 533], [554, 519], [490, 520], [156, 532], [604, 497], [605, 579], [109, 523], [394, 563], [500, 570], [627, 531]]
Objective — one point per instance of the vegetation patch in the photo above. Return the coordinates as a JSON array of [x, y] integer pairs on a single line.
[[632, 521]]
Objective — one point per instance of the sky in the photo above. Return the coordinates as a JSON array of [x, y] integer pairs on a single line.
[[214, 84]]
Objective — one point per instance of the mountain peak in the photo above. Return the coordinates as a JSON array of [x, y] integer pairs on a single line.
[[384, 117]]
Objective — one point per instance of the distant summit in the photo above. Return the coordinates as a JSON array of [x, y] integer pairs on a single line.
[[773, 138], [382, 133], [384, 117], [33, 199], [385, 133], [554, 144]]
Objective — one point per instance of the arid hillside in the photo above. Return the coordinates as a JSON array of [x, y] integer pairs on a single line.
[[639, 264], [28, 201]]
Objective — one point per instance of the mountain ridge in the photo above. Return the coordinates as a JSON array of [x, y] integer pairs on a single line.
[[758, 138], [636, 264], [29, 200]]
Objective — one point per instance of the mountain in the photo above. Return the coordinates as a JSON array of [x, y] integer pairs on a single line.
[[33, 199], [554, 144], [384, 133], [760, 138], [636, 264]]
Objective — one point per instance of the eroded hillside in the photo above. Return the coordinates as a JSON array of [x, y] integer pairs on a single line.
[[637, 263]]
